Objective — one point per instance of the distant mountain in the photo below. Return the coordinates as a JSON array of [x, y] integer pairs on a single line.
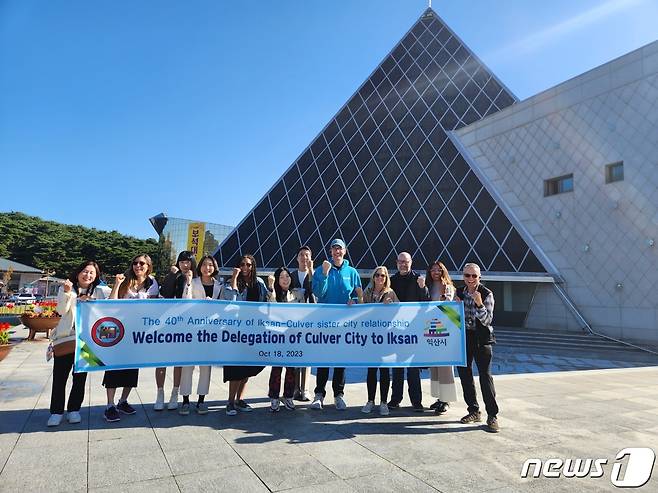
[[61, 247]]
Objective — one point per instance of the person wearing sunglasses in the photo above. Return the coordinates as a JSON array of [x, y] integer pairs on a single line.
[[173, 286], [478, 312], [135, 283], [442, 378], [378, 291], [244, 285]]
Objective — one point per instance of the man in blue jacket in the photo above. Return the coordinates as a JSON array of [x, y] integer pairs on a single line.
[[335, 282]]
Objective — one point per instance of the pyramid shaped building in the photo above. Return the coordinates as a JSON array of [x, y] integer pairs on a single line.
[[385, 175]]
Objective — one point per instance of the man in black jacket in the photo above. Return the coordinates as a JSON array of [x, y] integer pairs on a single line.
[[408, 286], [302, 278], [478, 310]]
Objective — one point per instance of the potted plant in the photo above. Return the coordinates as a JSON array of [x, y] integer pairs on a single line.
[[4, 339], [40, 317]]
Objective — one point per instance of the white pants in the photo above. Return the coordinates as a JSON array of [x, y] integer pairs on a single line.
[[186, 380], [442, 383]]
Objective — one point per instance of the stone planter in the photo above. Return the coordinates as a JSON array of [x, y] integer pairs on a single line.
[[39, 324]]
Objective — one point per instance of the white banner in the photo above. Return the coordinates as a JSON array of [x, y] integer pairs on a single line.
[[114, 334]]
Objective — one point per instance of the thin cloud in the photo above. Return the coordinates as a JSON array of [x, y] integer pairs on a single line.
[[548, 35]]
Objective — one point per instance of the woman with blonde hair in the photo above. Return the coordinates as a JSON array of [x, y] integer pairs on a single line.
[[442, 378], [135, 283], [379, 291]]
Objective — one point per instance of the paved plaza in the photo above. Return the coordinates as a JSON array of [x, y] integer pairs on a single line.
[[561, 410]]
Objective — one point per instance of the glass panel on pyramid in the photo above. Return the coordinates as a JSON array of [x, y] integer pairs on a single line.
[[384, 176]]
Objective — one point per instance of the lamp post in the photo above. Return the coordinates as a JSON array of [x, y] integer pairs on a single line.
[[48, 273]]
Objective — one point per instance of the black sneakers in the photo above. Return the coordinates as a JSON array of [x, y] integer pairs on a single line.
[[111, 414], [125, 408], [441, 408]]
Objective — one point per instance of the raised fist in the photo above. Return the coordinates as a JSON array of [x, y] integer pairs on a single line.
[[119, 278], [67, 285], [270, 282], [326, 267], [421, 282]]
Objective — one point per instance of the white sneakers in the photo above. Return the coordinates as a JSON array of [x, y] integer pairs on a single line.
[[288, 403], [159, 400], [339, 402], [317, 402], [370, 405], [55, 419], [173, 400]]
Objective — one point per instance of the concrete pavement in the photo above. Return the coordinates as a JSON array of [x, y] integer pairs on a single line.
[[556, 414]]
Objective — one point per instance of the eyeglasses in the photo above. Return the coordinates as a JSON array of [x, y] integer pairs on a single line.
[[245, 264], [471, 275], [379, 274], [139, 262]]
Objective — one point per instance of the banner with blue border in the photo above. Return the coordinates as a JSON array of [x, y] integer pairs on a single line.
[[117, 334]]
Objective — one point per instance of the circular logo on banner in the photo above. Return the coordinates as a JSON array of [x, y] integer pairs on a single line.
[[107, 331]]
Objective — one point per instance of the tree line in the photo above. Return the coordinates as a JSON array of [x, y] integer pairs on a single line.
[[48, 245]]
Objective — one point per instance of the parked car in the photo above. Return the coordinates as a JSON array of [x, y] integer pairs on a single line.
[[23, 298]]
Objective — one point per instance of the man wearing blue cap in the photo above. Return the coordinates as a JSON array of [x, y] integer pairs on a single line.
[[335, 282]]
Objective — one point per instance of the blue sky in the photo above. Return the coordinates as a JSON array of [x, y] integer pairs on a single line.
[[111, 112]]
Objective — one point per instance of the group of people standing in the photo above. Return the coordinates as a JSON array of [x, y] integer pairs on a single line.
[[335, 281]]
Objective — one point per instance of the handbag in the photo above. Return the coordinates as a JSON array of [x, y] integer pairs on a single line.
[[64, 348]]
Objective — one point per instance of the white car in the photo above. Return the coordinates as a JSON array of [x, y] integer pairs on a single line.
[[23, 298]]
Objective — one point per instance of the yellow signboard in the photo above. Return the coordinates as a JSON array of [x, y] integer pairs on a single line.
[[195, 235]]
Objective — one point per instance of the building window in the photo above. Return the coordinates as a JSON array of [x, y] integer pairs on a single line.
[[614, 172], [557, 185]]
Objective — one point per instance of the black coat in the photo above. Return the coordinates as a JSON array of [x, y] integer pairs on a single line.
[[309, 297], [406, 287]]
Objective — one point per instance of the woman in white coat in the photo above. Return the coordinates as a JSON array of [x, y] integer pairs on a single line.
[[80, 286], [206, 286]]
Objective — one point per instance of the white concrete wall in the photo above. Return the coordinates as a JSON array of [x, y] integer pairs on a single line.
[[599, 235]]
